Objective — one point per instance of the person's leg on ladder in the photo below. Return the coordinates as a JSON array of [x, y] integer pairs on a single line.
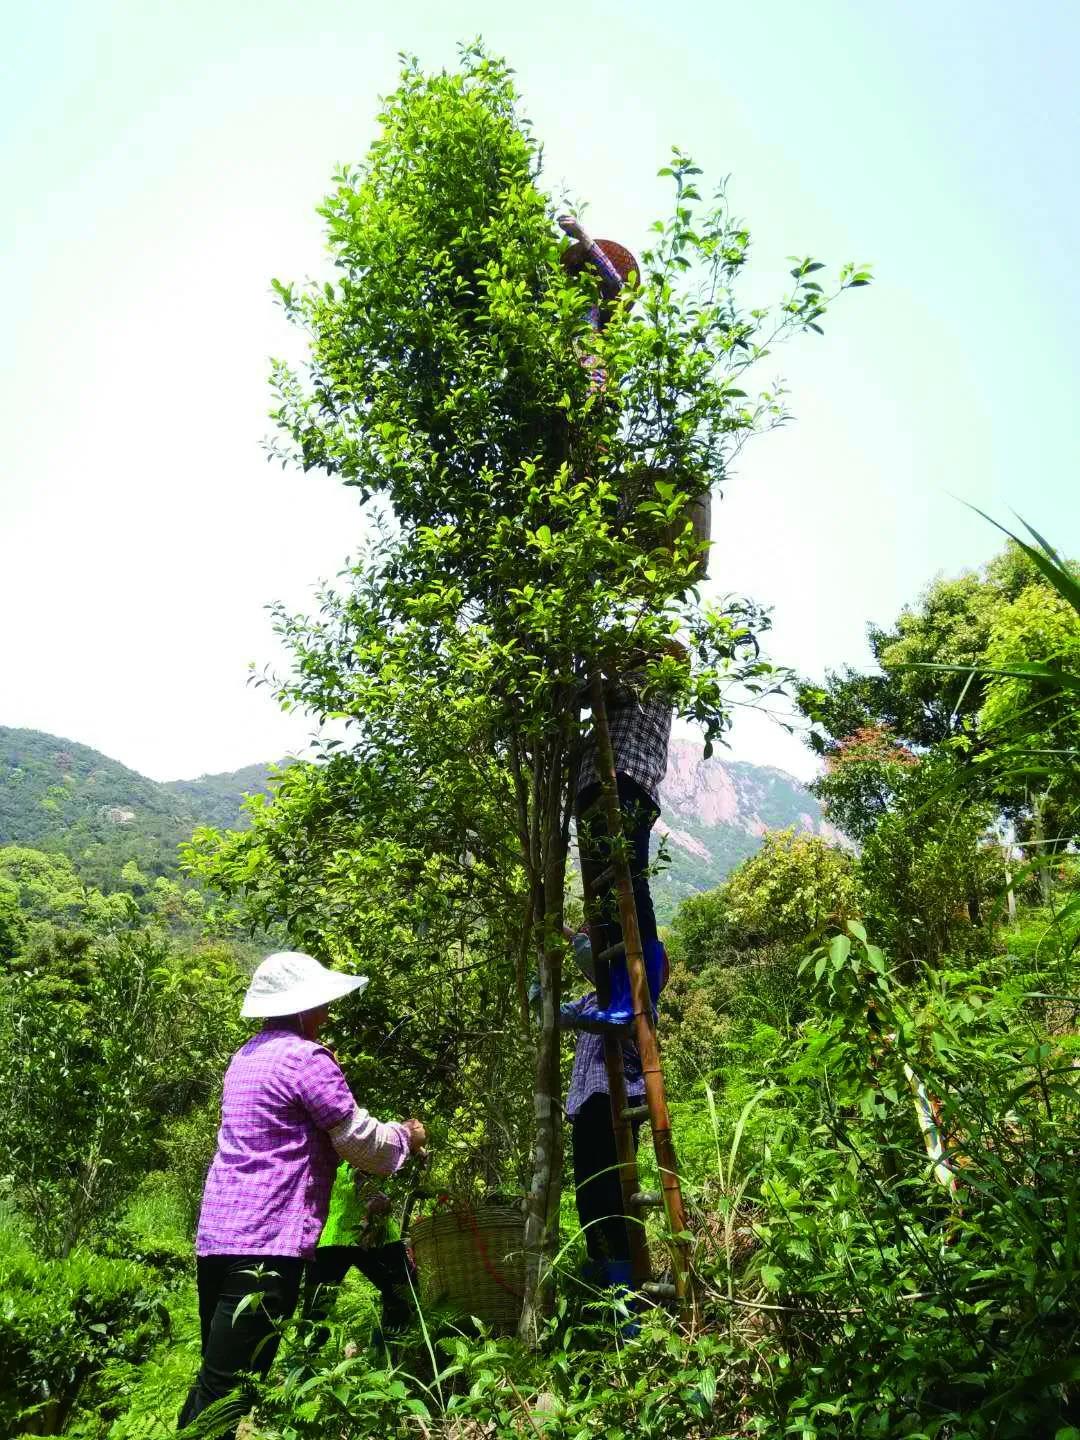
[[639, 815], [598, 1188]]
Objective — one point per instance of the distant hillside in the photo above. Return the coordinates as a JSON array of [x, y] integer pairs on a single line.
[[58, 795], [215, 799], [714, 815]]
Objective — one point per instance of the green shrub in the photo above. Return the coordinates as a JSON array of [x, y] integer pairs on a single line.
[[889, 1306], [590, 1380], [103, 1044], [154, 1228], [188, 1145], [61, 1321]]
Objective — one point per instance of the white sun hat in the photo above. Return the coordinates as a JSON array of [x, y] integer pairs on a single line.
[[289, 982]]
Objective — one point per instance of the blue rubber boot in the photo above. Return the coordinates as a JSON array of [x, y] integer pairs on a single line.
[[621, 1010], [618, 1276], [656, 969], [593, 1274]]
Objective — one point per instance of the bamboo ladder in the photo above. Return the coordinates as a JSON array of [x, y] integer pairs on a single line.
[[596, 873]]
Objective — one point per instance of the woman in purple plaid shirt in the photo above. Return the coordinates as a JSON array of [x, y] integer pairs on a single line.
[[287, 1114]]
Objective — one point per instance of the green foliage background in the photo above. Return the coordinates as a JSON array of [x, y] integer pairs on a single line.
[[65, 798]]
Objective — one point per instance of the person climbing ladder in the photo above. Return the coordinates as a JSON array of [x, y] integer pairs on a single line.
[[597, 1186], [640, 733]]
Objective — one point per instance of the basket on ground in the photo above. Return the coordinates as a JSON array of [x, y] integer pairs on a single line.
[[474, 1262]]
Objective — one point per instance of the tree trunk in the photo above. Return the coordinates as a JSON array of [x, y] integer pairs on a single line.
[[1038, 834], [545, 1190], [1009, 891]]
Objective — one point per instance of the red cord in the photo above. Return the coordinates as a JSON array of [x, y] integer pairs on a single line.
[[470, 1217]]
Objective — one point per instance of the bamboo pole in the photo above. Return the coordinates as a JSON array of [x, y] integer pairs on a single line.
[[626, 1151], [644, 1024]]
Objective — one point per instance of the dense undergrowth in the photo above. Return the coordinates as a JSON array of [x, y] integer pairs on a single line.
[[846, 1291]]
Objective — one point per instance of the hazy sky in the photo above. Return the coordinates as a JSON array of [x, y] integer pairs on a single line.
[[161, 162]]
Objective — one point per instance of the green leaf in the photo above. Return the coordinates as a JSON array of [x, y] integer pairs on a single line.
[[772, 1277], [839, 950], [1049, 562]]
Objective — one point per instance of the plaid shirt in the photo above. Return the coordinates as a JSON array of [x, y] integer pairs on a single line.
[[640, 731], [268, 1188], [589, 1075]]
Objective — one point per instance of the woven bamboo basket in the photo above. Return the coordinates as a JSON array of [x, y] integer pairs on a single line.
[[474, 1262], [639, 486], [700, 516]]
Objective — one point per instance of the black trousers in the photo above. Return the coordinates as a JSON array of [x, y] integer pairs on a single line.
[[639, 814], [388, 1267], [239, 1339], [596, 1180]]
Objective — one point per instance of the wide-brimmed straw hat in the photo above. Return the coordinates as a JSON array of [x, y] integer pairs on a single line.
[[576, 256], [290, 982]]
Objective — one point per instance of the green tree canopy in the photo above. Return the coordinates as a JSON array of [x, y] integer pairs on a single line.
[[790, 889], [1039, 627], [950, 625], [534, 522]]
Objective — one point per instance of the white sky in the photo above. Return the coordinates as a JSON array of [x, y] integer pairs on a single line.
[[161, 163]]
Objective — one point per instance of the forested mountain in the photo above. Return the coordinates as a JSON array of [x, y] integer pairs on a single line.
[[216, 799], [58, 795], [715, 813]]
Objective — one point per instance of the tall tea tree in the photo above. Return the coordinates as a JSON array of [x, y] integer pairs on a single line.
[[535, 523]]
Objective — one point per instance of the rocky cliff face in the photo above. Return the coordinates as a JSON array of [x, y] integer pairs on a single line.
[[714, 813]]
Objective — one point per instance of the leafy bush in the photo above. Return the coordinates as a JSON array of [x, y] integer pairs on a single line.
[[590, 1380], [925, 874], [61, 1321], [891, 1305], [187, 1145], [708, 1018], [101, 1044]]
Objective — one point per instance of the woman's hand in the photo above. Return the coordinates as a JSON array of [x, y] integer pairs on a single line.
[[378, 1206], [417, 1135]]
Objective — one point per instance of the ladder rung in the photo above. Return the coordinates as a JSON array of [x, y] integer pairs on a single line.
[[598, 806], [596, 1027], [613, 952], [635, 1112], [659, 1290], [646, 1197]]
